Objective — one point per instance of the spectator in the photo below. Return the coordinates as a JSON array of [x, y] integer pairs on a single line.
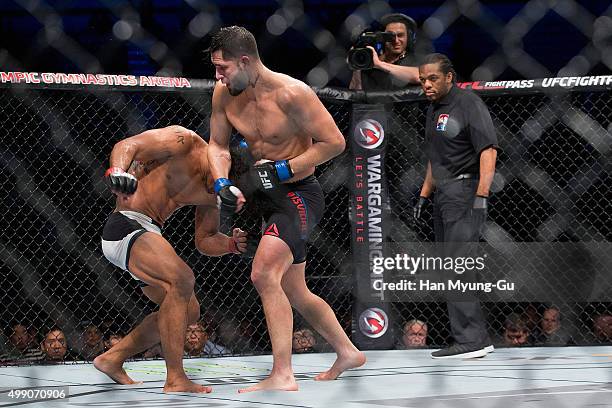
[[602, 328], [229, 335], [22, 344], [197, 343], [303, 341], [108, 326], [531, 317], [93, 342], [516, 331], [550, 332], [246, 328], [55, 347], [414, 335], [396, 67], [111, 340]]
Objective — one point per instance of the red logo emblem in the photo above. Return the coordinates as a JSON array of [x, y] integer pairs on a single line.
[[272, 230], [373, 322], [442, 122], [369, 134]]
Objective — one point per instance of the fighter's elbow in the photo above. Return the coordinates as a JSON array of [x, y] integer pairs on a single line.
[[200, 246], [125, 146], [339, 144]]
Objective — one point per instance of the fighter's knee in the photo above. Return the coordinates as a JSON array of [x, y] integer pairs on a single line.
[[257, 277], [262, 278], [193, 313], [182, 280]]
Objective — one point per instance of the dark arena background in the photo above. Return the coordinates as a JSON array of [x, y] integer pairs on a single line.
[[76, 77]]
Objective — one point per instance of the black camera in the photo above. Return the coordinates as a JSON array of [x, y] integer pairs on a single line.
[[360, 58]]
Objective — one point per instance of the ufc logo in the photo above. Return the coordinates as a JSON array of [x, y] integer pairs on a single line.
[[265, 180]]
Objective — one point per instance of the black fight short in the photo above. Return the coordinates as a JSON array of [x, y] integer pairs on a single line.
[[292, 214]]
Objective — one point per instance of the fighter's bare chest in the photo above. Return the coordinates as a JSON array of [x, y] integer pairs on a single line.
[[261, 120]]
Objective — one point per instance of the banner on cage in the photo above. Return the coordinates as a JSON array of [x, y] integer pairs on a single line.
[[542, 84], [369, 213], [60, 78]]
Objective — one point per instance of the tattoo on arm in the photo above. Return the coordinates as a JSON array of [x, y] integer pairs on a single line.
[[137, 168], [148, 166]]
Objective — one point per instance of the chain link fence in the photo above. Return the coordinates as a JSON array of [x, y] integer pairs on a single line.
[[551, 190], [55, 147], [552, 185]]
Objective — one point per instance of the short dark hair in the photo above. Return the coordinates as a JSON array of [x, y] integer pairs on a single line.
[[234, 41], [408, 22], [10, 329], [515, 322], [445, 63]]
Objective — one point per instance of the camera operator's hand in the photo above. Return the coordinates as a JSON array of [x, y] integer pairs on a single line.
[[375, 58]]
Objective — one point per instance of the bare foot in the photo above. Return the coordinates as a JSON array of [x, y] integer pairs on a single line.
[[273, 383], [113, 369], [342, 363], [186, 385]]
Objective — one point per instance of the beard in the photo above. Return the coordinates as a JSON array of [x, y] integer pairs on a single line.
[[238, 84]]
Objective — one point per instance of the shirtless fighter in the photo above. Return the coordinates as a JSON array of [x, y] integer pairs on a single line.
[[153, 174], [279, 117]]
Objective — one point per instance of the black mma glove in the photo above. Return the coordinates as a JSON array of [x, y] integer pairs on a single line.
[[119, 181], [269, 175], [227, 196], [481, 204], [418, 208]]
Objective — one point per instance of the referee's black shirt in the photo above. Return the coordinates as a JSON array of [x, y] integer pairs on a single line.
[[457, 129]]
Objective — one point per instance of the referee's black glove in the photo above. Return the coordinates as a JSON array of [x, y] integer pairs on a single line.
[[481, 204], [418, 208]]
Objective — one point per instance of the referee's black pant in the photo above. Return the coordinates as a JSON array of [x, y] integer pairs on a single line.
[[456, 225]]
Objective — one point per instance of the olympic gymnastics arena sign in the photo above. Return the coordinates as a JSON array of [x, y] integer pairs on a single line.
[[53, 78]]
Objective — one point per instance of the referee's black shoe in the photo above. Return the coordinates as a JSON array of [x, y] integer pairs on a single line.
[[463, 351]]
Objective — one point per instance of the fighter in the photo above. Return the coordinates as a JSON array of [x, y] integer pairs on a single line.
[[279, 117], [153, 174]]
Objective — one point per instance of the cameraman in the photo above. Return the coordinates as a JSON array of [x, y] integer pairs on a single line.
[[396, 67]]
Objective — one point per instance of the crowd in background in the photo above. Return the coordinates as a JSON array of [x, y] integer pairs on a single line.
[[27, 344]]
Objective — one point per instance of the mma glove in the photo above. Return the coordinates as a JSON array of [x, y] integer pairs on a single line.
[[418, 208], [227, 196], [269, 175], [119, 181]]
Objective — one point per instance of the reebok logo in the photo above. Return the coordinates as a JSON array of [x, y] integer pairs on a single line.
[[272, 230]]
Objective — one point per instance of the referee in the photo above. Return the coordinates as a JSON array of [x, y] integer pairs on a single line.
[[461, 148]]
